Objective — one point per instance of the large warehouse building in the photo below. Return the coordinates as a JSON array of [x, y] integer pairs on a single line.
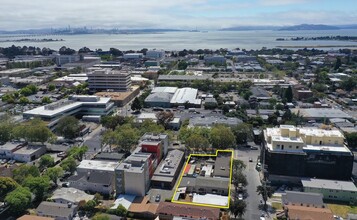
[[167, 97]]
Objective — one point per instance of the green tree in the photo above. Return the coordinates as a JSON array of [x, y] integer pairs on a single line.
[[119, 211], [182, 65], [19, 200], [225, 109], [90, 206], [338, 63], [24, 100], [127, 136], [46, 161], [266, 192], [237, 208], [46, 100], [136, 105], [7, 185], [222, 137], [110, 138], [34, 130], [51, 87], [54, 173], [238, 165], [243, 132], [38, 185], [23, 171], [349, 83], [111, 122], [289, 94], [77, 152], [197, 141], [68, 127], [69, 165], [149, 125], [6, 126], [351, 139]]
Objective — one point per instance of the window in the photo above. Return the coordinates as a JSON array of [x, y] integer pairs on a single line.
[[290, 146], [336, 142], [297, 147]]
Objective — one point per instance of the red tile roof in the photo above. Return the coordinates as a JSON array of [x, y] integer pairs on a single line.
[[174, 209]]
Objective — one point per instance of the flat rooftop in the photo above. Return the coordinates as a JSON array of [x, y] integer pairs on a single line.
[[210, 199], [322, 113], [184, 95], [98, 165], [9, 146], [329, 184], [28, 150], [169, 166]]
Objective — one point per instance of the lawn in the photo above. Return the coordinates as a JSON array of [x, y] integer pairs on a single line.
[[276, 206], [342, 210]]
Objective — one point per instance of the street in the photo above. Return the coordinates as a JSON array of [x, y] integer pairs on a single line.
[[252, 198]]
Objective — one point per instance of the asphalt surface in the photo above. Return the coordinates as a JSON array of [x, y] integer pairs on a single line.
[[252, 199]]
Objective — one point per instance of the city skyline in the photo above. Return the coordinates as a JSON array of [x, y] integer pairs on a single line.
[[179, 14]]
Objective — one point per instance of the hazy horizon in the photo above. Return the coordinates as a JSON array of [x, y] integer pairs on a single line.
[[175, 14]]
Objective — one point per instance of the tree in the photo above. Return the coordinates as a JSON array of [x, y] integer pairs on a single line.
[[19, 200], [38, 185], [68, 127], [77, 152], [22, 172], [24, 100], [289, 94], [7, 185], [338, 63], [149, 125], [110, 138], [197, 141], [237, 208], [119, 211], [164, 118], [54, 173], [69, 165], [238, 165], [127, 136], [225, 109], [351, 139], [6, 126], [136, 105], [51, 87], [111, 122], [349, 83], [222, 137], [266, 192], [182, 65], [90, 206], [243, 132], [46, 161], [34, 130], [46, 100]]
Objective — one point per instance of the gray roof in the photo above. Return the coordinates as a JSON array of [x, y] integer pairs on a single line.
[[212, 120], [292, 197], [329, 184], [218, 183], [55, 209], [259, 92], [110, 156], [103, 178], [210, 100], [159, 97], [183, 77], [322, 113], [71, 195], [222, 165], [169, 166]]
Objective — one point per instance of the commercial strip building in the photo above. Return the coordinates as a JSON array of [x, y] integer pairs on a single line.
[[29, 153], [109, 80], [79, 105], [121, 98], [210, 121], [321, 114], [172, 96], [168, 170], [306, 152], [332, 190]]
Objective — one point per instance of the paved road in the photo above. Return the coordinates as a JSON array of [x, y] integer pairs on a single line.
[[253, 199], [93, 142]]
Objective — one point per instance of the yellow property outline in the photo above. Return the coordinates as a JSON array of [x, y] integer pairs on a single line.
[[229, 185]]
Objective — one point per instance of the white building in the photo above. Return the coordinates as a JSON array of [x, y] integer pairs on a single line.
[[7, 150], [155, 54], [70, 195], [63, 59], [133, 56], [109, 80], [185, 96], [74, 105]]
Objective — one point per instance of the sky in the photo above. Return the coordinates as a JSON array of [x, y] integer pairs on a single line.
[[180, 14]]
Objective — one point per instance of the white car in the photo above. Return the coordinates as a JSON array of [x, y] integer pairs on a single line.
[[240, 196]]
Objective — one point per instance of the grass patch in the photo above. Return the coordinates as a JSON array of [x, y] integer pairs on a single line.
[[342, 210], [276, 206]]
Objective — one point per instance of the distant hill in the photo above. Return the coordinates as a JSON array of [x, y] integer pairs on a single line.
[[249, 28], [309, 27]]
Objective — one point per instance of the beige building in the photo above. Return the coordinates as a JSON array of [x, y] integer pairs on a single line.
[[109, 80], [291, 138]]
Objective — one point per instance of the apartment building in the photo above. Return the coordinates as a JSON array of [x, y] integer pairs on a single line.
[[306, 152], [109, 80]]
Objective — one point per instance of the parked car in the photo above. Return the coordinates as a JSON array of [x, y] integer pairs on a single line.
[[253, 148], [157, 198], [240, 196], [250, 159], [65, 184]]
